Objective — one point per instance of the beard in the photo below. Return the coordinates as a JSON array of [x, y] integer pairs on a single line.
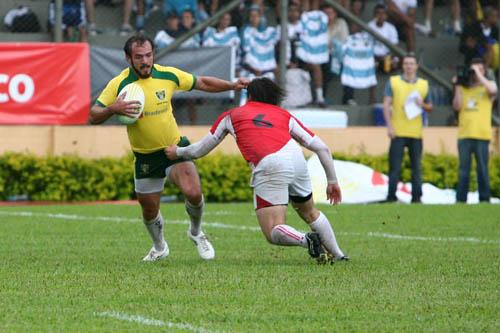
[[140, 71]]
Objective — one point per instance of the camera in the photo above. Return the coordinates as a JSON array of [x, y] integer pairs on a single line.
[[464, 75]]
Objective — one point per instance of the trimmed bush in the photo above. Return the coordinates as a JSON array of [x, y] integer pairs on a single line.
[[65, 178], [223, 177]]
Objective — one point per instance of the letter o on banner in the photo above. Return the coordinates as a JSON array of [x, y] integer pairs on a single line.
[[14, 91]]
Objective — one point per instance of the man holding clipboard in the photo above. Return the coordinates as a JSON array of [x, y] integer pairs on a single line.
[[406, 97]]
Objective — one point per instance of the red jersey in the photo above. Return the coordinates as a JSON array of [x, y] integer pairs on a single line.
[[260, 129]]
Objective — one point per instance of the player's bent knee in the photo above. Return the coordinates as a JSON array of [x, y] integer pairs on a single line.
[[193, 195], [192, 191], [309, 215]]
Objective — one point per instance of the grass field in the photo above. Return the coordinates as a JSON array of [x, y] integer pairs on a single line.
[[414, 268]]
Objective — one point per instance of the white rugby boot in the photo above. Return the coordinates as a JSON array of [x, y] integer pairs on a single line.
[[205, 249], [155, 255]]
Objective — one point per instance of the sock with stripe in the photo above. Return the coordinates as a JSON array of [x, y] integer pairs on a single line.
[[286, 235]]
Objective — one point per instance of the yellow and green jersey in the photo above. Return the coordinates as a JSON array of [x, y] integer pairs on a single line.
[[156, 128], [400, 90], [474, 118]]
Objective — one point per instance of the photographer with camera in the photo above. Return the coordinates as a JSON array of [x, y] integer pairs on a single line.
[[473, 100], [464, 74]]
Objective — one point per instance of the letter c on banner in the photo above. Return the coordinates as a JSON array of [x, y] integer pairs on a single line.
[[14, 93], [4, 79]]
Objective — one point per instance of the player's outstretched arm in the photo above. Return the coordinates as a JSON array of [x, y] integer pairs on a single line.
[[195, 150], [213, 84]]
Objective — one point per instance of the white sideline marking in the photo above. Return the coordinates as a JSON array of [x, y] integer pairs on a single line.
[[70, 217], [248, 228], [436, 239], [150, 322], [422, 238], [219, 213], [122, 219]]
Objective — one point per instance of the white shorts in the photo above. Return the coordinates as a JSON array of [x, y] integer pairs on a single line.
[[281, 176]]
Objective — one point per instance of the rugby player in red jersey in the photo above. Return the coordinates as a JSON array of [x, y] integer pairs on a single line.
[[267, 137]]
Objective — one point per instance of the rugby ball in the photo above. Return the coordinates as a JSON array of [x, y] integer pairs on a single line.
[[134, 92]]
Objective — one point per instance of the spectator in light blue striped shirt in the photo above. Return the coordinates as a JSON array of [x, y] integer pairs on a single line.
[[224, 35], [258, 46], [358, 64], [313, 48]]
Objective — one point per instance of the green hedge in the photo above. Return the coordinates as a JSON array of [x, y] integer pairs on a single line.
[[439, 170], [66, 178], [224, 177]]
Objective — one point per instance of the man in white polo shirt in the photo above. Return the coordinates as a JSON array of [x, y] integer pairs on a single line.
[[388, 31]]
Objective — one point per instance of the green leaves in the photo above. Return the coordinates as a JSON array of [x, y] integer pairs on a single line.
[[65, 178], [224, 178], [439, 170]]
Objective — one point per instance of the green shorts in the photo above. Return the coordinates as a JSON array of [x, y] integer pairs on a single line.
[[153, 165]]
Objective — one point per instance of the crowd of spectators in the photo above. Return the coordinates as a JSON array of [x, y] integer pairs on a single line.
[[321, 44]]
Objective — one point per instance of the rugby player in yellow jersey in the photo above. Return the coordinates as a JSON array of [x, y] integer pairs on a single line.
[[155, 130]]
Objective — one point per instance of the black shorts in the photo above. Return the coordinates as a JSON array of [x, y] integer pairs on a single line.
[[153, 165]]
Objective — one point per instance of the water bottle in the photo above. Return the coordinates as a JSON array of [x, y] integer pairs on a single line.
[[378, 114], [425, 119]]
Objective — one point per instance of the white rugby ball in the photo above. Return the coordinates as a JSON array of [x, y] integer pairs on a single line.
[[134, 92]]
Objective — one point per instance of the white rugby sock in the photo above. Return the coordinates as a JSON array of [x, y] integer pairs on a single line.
[[324, 229], [195, 213], [286, 235], [319, 95], [155, 229], [428, 24]]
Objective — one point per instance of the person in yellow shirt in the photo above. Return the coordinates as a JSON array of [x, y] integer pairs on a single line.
[[406, 97], [474, 103], [155, 130]]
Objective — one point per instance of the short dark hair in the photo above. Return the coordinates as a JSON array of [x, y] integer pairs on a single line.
[[266, 91], [477, 61], [140, 39], [325, 6], [171, 15], [410, 55], [488, 11], [379, 6], [190, 11]]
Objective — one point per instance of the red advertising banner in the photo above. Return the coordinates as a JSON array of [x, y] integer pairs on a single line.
[[44, 83]]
